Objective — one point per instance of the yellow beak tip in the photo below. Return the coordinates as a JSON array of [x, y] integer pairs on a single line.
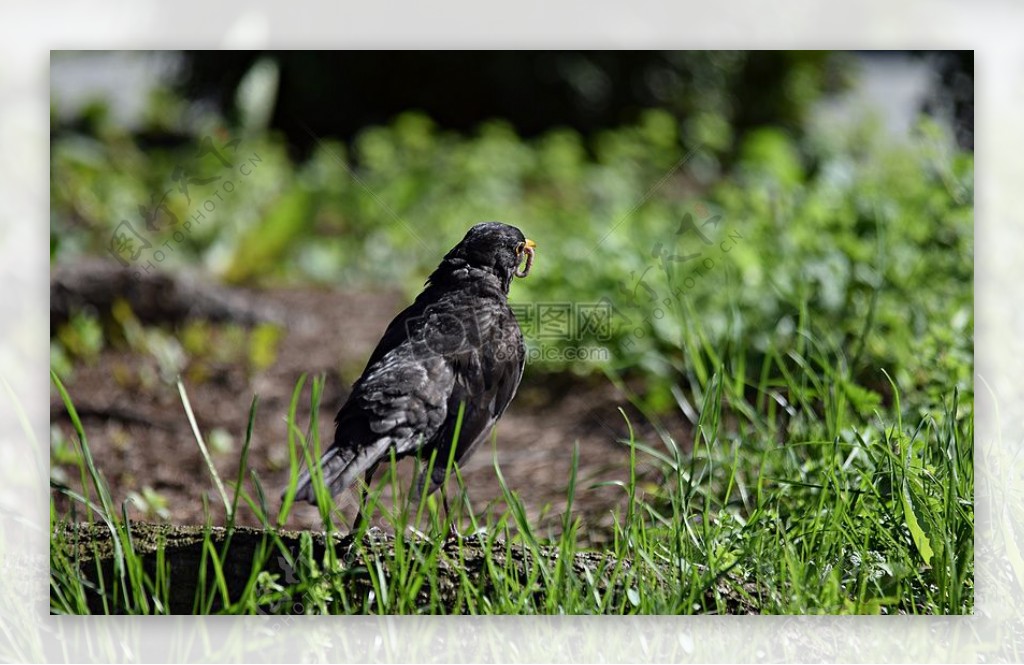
[[531, 244]]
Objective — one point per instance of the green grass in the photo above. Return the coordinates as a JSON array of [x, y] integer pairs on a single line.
[[807, 508]]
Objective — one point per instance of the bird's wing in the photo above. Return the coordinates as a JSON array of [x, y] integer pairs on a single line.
[[485, 381], [404, 397], [400, 402]]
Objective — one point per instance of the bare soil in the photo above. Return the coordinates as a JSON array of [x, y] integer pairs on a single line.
[[140, 437]]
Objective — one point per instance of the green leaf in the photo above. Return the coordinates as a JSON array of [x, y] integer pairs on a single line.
[[262, 245], [863, 399], [924, 546]]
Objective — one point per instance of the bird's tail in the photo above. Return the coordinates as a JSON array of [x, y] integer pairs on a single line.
[[340, 467], [332, 464]]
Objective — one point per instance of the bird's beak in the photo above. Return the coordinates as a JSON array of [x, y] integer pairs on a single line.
[[528, 248]]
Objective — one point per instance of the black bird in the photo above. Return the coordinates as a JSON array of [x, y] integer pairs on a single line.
[[457, 346]]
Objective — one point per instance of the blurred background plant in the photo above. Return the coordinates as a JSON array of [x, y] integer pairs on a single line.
[[365, 169]]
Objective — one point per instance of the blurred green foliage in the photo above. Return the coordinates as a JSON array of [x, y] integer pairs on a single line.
[[80, 338], [150, 503], [846, 235]]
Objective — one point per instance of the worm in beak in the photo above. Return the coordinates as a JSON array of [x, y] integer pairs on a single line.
[[528, 248]]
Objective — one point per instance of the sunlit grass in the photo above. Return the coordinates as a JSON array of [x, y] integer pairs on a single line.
[[845, 515]]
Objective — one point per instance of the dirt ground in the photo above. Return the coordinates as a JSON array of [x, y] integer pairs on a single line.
[[140, 436]]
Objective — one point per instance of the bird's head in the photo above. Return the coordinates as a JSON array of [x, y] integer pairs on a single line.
[[491, 247]]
